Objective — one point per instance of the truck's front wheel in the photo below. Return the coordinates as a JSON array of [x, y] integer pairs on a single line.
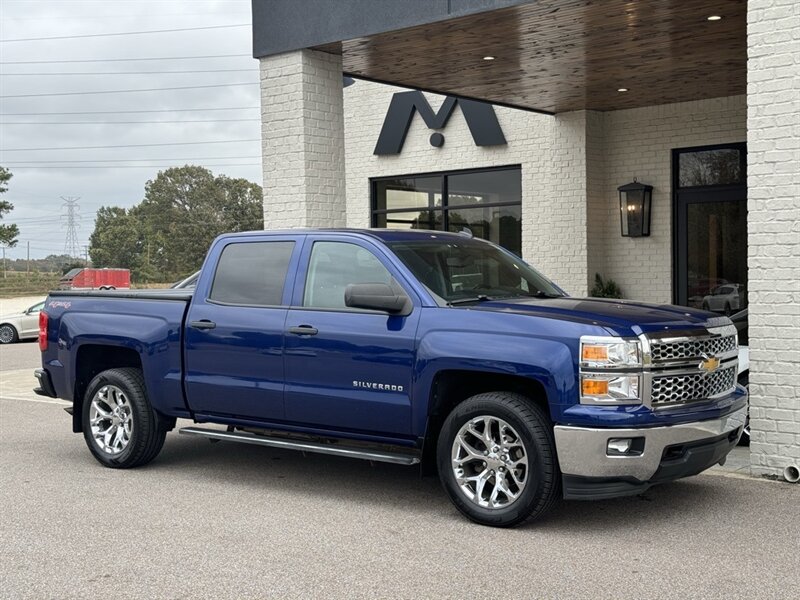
[[497, 461], [119, 425]]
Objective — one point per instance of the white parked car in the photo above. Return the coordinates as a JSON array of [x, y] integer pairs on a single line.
[[20, 326], [725, 298]]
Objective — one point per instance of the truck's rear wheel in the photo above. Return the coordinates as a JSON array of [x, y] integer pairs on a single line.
[[119, 425], [497, 461]]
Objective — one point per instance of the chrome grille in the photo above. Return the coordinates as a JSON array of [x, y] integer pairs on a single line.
[[716, 346], [679, 389]]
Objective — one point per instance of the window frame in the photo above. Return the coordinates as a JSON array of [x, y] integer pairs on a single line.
[[682, 196], [297, 245], [446, 206], [381, 253]]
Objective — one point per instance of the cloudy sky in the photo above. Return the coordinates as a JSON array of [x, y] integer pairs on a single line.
[[59, 139]]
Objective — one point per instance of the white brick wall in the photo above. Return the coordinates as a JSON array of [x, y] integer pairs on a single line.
[[302, 131], [773, 123], [638, 143], [572, 165]]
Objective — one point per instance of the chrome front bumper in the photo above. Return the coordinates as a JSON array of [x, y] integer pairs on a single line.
[[582, 450]]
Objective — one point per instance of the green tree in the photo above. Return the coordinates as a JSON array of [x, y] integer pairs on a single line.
[[166, 236], [8, 233]]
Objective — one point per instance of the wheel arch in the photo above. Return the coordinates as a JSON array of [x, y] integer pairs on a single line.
[[451, 387], [90, 361]]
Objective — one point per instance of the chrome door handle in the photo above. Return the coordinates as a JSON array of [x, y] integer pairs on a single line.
[[204, 324]]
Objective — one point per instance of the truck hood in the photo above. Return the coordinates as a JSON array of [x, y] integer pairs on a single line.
[[619, 316]]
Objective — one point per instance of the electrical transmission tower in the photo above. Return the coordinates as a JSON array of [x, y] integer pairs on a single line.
[[71, 245]]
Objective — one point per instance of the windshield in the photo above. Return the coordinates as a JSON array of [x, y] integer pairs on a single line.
[[457, 271]]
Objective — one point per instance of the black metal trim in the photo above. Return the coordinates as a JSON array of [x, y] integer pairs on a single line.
[[444, 175], [166, 294]]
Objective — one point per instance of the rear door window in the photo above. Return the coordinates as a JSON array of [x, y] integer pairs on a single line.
[[252, 273]]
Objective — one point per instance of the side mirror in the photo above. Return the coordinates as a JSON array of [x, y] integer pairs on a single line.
[[378, 296]]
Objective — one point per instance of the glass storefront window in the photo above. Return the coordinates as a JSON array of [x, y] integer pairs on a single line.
[[710, 197], [487, 202], [719, 166]]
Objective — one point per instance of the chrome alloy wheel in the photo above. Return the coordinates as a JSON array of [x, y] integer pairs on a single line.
[[489, 462], [6, 334], [111, 419]]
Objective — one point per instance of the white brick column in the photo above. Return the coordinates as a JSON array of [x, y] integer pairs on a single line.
[[562, 235], [773, 179], [302, 132]]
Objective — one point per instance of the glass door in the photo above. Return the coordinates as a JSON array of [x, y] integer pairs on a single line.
[[710, 203]]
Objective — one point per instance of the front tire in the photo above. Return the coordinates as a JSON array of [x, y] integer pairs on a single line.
[[8, 334], [119, 425], [497, 460]]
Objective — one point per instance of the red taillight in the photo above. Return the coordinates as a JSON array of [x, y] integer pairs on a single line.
[[43, 319]]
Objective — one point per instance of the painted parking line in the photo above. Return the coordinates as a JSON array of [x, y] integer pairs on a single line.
[[34, 399]]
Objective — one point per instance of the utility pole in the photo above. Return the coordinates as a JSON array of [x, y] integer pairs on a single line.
[[28, 262], [86, 254], [4, 261], [71, 246]]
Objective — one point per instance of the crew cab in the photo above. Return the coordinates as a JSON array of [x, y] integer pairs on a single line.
[[406, 347]]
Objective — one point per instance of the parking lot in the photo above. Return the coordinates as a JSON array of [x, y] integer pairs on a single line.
[[226, 520]]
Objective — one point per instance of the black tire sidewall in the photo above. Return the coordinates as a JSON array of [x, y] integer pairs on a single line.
[[14, 335], [140, 411], [521, 509]]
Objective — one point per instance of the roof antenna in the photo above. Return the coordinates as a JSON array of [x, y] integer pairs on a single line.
[[466, 232]]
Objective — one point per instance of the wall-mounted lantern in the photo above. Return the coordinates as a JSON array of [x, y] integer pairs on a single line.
[[635, 200]]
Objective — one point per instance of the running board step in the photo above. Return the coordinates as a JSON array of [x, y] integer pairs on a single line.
[[304, 446]]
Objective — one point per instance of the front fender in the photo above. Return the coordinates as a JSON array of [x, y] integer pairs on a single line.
[[548, 362]]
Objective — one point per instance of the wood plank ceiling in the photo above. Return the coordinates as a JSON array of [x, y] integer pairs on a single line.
[[562, 55]]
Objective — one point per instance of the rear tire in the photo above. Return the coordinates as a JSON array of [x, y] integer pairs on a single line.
[[119, 425], [519, 431], [8, 334]]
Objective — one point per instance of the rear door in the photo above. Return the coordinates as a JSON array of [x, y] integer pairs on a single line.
[[348, 369], [234, 330]]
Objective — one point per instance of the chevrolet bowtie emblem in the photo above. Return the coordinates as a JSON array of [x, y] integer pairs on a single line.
[[710, 364]]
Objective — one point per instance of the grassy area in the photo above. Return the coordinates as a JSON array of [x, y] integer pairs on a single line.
[[27, 284]]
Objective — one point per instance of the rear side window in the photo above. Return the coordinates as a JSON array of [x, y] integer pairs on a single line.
[[335, 265], [252, 273]]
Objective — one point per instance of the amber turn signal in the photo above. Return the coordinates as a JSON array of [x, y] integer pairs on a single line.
[[594, 387], [594, 353]]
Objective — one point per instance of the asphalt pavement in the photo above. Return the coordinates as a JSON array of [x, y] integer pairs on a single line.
[[234, 521]]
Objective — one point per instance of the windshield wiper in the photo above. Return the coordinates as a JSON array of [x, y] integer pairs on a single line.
[[480, 298], [541, 294]]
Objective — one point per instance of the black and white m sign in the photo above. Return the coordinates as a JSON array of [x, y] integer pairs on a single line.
[[480, 118]]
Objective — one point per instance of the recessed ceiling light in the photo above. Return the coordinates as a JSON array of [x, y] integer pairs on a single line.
[[622, 89], [714, 18], [488, 58]]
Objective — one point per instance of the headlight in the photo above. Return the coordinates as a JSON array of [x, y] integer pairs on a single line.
[[602, 388], [610, 352]]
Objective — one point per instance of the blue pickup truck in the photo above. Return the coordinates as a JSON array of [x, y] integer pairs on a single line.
[[406, 347]]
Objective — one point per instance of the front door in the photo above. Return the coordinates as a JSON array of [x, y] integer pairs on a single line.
[[234, 332], [347, 369], [710, 201]]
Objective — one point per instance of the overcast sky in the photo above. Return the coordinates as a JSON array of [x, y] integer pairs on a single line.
[[41, 177]]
